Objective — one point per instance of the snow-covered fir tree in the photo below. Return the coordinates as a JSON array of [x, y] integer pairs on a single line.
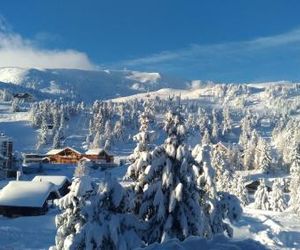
[[206, 138], [105, 221], [265, 160], [221, 204], [75, 205], [261, 196], [141, 157], [173, 199], [295, 158], [294, 187], [239, 189], [15, 105], [245, 130], [42, 135], [215, 131], [97, 140], [221, 164], [107, 145], [227, 122], [82, 169], [276, 197], [224, 181], [118, 131], [56, 139]]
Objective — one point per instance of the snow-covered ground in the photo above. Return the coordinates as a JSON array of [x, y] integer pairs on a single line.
[[272, 230]]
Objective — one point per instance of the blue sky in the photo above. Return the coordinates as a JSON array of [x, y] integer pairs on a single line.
[[228, 41]]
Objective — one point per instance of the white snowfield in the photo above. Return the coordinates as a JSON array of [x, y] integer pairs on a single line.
[[26, 193]]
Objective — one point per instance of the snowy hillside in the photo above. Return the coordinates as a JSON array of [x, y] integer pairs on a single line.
[[87, 85], [236, 134]]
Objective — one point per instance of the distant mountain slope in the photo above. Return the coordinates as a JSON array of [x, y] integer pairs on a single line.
[[87, 85]]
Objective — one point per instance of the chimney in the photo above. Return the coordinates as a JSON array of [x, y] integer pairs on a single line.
[[18, 175]]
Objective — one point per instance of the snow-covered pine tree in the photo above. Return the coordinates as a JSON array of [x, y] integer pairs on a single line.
[[97, 140], [235, 157], [206, 138], [56, 139], [227, 122], [15, 105], [70, 223], [55, 119], [215, 131], [174, 202], [107, 145], [239, 189], [108, 130], [118, 131], [97, 219], [261, 196], [170, 201], [218, 205], [221, 165], [42, 135], [225, 181], [265, 160], [245, 130], [109, 225], [295, 158], [82, 169], [140, 158], [276, 197], [294, 202]]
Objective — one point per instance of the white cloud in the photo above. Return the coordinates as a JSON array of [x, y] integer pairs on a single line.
[[16, 51], [204, 54]]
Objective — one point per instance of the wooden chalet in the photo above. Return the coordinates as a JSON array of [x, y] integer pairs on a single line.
[[69, 155], [34, 158], [99, 155], [26, 198], [24, 96], [64, 156]]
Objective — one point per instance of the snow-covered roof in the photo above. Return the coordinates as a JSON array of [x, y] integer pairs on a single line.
[[57, 180], [57, 151], [54, 151], [95, 151], [25, 193]]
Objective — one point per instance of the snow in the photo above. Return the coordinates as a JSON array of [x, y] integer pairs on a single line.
[[274, 230], [217, 243], [35, 233], [144, 77], [57, 180], [83, 84], [94, 151], [25, 193], [12, 75], [57, 151], [54, 151]]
